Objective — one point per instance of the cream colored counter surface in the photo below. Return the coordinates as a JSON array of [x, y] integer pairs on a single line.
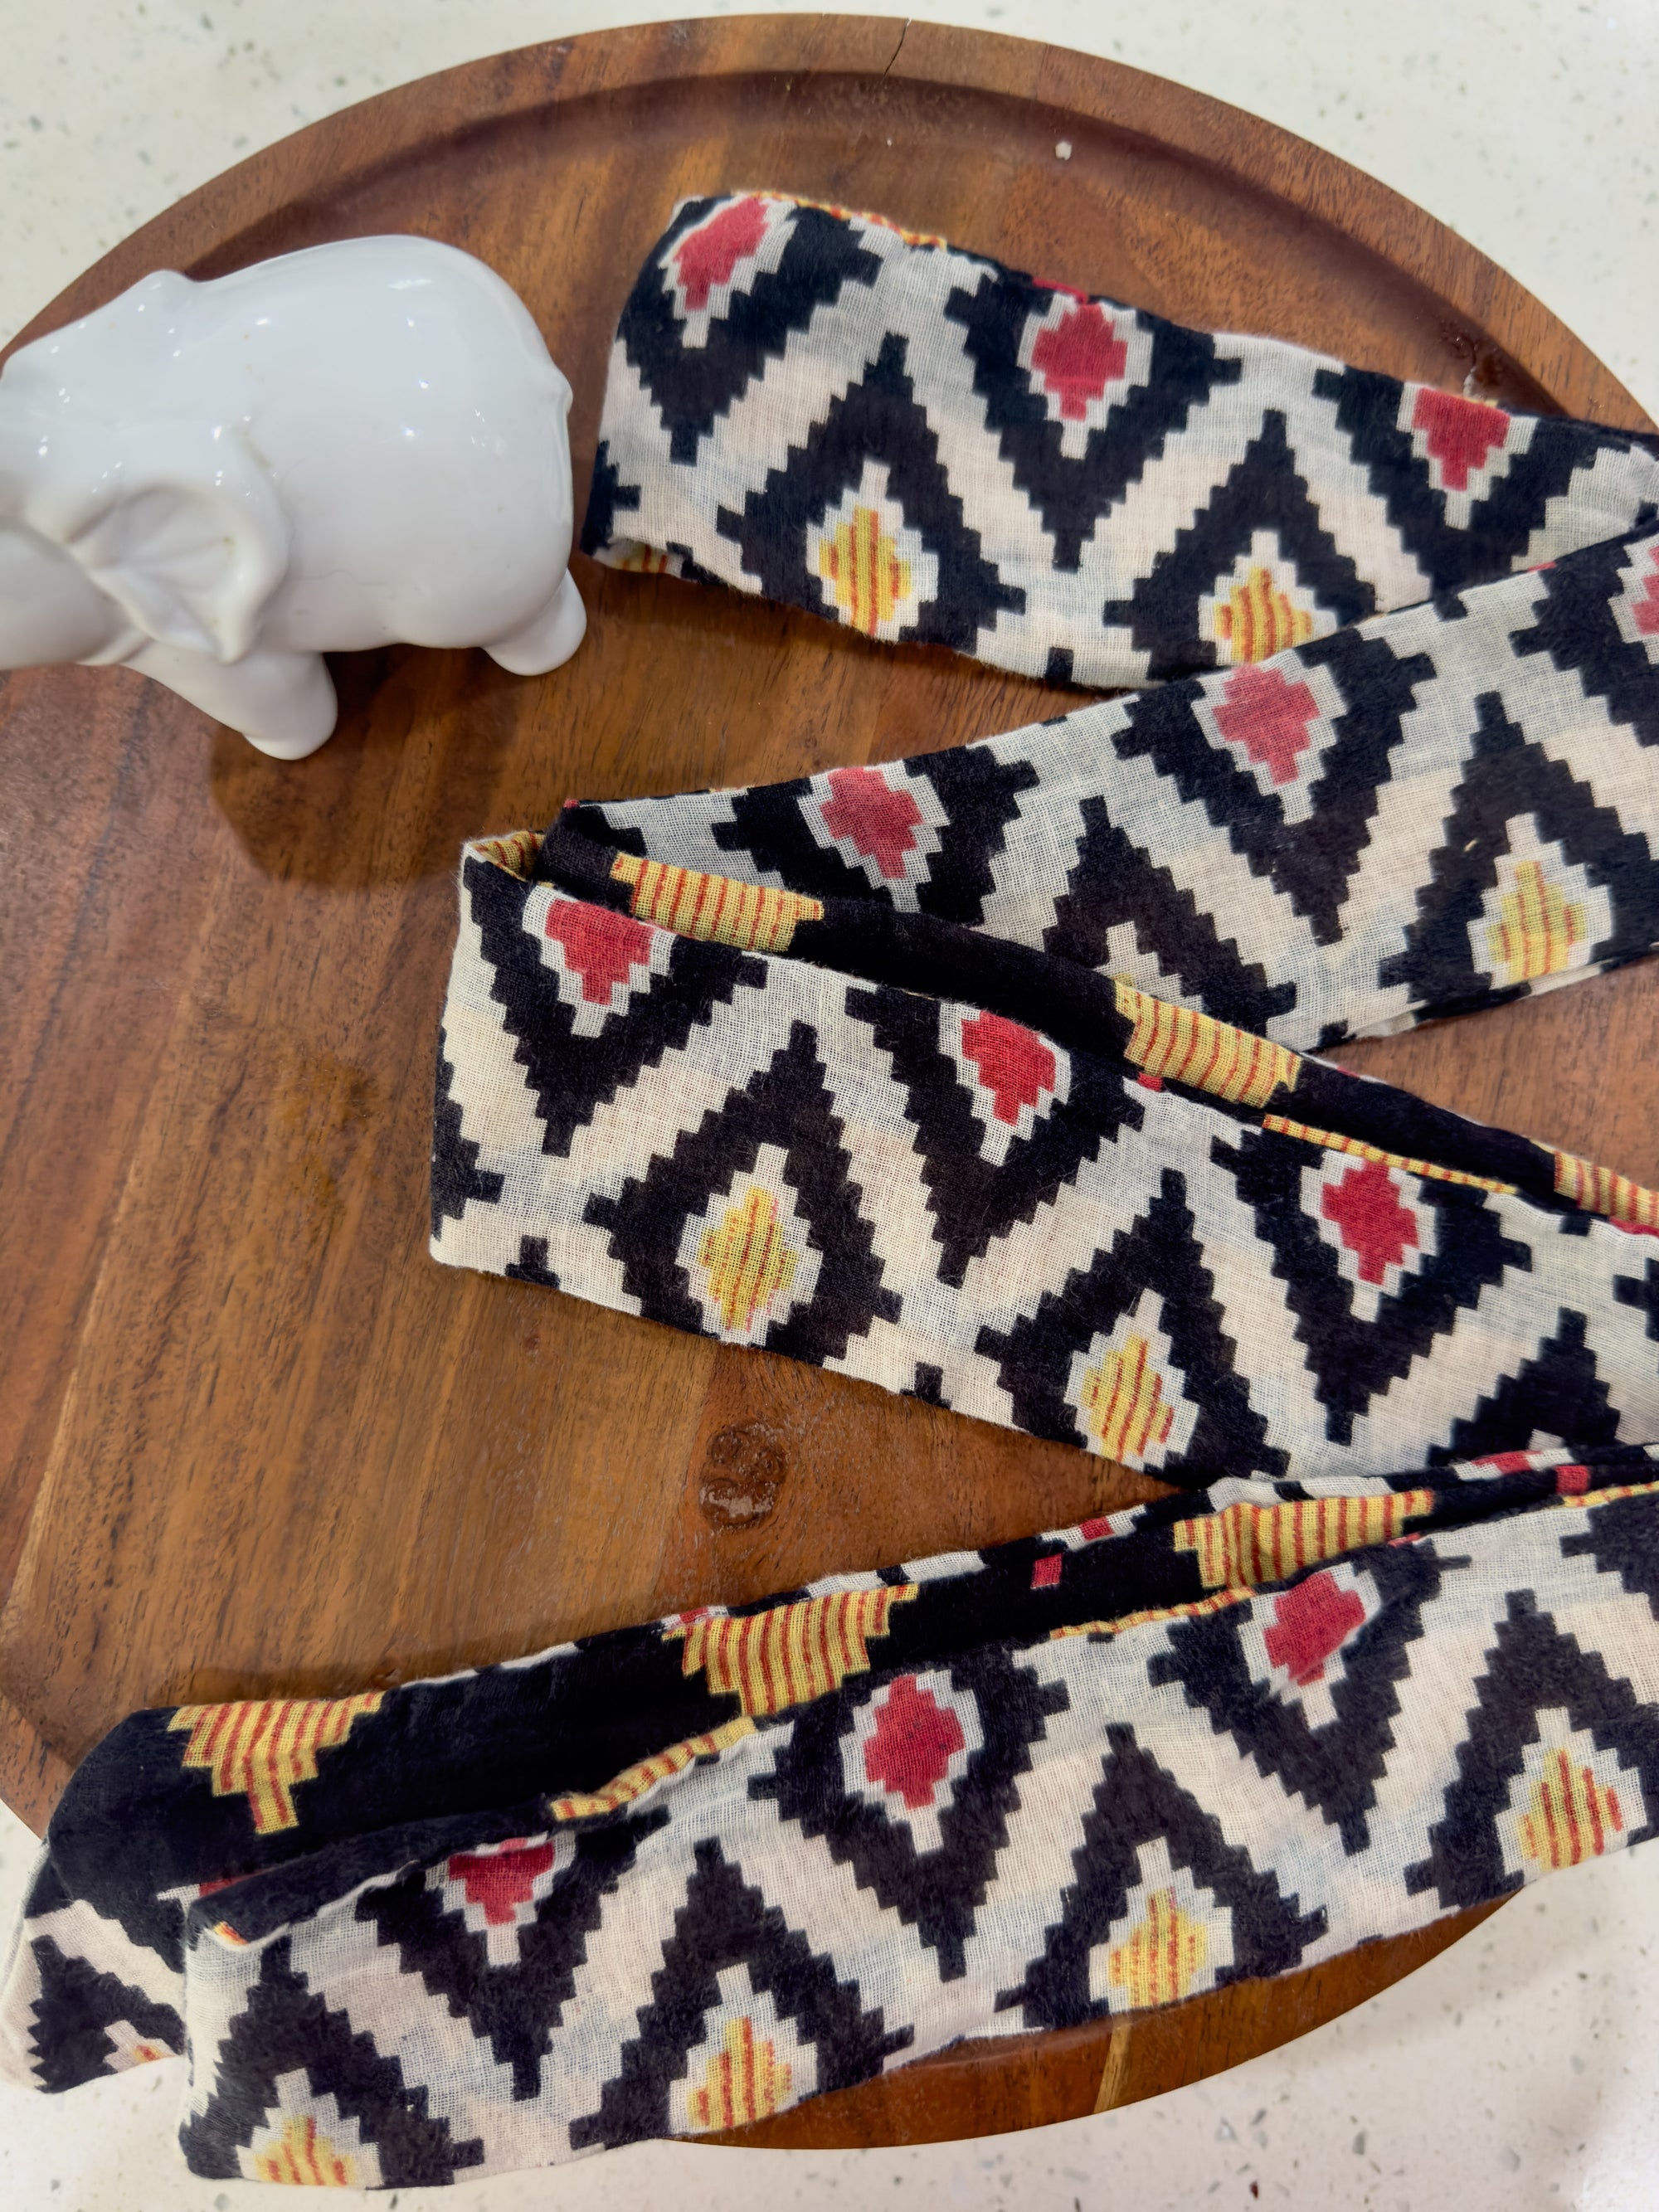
[[1518, 2072]]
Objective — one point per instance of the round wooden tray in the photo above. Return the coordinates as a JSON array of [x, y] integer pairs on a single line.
[[254, 1439]]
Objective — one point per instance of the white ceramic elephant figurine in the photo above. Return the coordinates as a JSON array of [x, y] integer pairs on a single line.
[[217, 482]]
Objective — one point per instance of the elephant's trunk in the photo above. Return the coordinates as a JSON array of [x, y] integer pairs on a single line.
[[50, 609]]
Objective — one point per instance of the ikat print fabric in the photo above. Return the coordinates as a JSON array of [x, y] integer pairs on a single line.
[[915, 442], [991, 1178], [992, 1077], [677, 1878], [1433, 812]]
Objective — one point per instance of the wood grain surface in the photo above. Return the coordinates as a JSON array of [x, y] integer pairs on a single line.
[[253, 1439]]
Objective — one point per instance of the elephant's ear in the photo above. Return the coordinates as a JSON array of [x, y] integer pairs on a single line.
[[187, 536]]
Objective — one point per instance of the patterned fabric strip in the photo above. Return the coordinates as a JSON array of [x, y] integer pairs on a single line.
[[917, 442], [1131, 1226], [1102, 1769], [1436, 810], [196, 1783]]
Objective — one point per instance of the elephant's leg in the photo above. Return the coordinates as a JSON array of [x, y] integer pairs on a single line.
[[283, 702], [549, 638]]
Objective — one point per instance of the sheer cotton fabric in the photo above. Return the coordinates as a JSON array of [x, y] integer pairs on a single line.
[[834, 412], [679, 1877]]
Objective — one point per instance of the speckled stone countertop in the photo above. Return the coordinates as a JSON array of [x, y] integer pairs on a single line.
[[1519, 2071]]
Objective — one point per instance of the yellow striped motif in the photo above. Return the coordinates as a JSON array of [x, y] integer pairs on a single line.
[[1569, 1816], [746, 1258], [302, 2156], [1258, 619], [1587, 1500], [782, 1657], [645, 1774], [746, 2080], [260, 1751], [1536, 929], [1598, 1190], [516, 852], [1193, 1609], [1183, 1046], [640, 559], [1123, 1402], [862, 566], [1244, 1545], [1333, 1143], [1163, 1955], [755, 917]]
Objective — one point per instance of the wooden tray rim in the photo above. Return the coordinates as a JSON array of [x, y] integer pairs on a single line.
[[392, 126]]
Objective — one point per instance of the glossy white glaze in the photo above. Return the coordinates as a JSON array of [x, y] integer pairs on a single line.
[[217, 482]]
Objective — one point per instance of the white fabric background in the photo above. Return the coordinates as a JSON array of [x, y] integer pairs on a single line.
[[1520, 2072]]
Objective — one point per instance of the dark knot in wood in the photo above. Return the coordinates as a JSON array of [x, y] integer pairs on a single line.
[[742, 1473]]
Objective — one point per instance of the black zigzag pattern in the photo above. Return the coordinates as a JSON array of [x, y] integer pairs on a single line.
[[570, 1076], [1334, 1768], [1071, 496], [939, 1890], [1161, 1253], [725, 1921], [515, 2008], [1531, 1664], [693, 386], [1507, 778], [1352, 1360], [975, 1201], [1576, 627], [76, 2008], [789, 1104], [1501, 524], [1135, 1802], [1261, 491], [286, 2029], [877, 419]]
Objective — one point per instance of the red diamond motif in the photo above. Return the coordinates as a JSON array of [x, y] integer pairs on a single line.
[[603, 948], [499, 1881], [875, 820], [915, 1740], [1459, 433], [1045, 1572], [707, 258], [1078, 357], [1309, 1623], [1014, 1064], [1645, 607], [1368, 1214], [1267, 715]]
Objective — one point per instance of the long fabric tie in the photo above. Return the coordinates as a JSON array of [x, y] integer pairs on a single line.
[[991, 1077], [919, 443], [679, 1877]]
